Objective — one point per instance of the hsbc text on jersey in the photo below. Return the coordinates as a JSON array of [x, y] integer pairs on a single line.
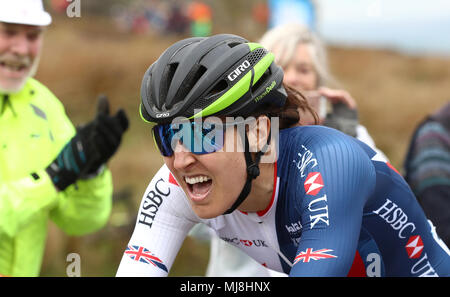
[[395, 216], [152, 202]]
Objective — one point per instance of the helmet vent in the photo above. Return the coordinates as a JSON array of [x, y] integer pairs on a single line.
[[233, 44], [256, 55], [189, 82], [166, 80], [219, 87]]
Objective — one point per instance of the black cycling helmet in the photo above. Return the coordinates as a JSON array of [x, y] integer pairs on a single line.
[[220, 75]]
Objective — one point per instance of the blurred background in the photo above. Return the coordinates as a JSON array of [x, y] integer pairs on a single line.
[[393, 56]]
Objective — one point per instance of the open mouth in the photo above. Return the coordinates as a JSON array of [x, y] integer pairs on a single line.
[[198, 187]]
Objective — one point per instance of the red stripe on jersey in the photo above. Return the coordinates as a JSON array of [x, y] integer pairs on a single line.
[[358, 269], [392, 167], [263, 212], [172, 180]]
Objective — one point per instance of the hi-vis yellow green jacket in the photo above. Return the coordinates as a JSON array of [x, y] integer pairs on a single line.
[[33, 130]]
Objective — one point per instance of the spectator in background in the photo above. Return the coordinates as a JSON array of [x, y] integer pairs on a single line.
[[177, 21], [156, 13], [304, 60], [260, 13], [427, 169], [201, 19], [48, 170]]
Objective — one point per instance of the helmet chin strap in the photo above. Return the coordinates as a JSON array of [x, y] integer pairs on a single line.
[[252, 171]]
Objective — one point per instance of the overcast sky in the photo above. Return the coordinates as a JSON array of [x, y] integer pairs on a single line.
[[410, 25]]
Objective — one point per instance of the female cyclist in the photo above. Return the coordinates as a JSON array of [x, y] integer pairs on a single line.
[[302, 201]]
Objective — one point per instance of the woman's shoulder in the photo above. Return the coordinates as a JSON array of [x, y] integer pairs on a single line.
[[313, 135], [321, 142]]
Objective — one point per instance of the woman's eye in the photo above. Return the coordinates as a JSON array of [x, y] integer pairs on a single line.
[[304, 70]]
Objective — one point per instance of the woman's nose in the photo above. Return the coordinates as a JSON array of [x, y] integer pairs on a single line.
[[183, 158]]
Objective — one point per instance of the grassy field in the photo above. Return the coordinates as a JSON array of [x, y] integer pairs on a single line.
[[84, 58]]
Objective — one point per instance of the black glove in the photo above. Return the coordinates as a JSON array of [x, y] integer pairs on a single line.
[[91, 147], [107, 133]]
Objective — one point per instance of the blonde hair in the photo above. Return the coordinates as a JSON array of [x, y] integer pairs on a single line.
[[283, 41]]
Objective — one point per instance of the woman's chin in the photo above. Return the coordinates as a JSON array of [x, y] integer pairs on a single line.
[[207, 211]]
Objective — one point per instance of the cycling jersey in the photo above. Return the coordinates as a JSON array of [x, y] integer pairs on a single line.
[[334, 198]]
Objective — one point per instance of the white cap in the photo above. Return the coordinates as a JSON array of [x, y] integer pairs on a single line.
[[27, 12]]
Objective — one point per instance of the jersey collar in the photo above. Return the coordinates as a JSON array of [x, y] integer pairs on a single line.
[[274, 192]]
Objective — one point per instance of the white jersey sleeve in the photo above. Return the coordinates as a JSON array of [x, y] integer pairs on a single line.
[[163, 221], [363, 135]]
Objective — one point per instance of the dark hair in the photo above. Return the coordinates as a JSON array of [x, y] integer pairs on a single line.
[[288, 114]]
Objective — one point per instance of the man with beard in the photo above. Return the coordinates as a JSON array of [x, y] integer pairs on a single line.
[[48, 169]]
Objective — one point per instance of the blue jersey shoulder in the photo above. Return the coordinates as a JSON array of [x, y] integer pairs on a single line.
[[311, 147], [325, 179]]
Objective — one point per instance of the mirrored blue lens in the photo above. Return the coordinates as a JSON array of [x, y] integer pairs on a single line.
[[199, 138], [161, 134]]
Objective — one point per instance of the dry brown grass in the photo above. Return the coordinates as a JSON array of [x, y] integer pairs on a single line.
[[83, 58]]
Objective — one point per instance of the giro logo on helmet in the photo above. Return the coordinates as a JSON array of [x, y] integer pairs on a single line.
[[238, 71], [162, 115]]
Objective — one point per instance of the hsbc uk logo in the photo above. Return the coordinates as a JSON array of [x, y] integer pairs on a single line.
[[245, 242], [318, 207], [414, 247], [152, 202], [392, 214], [396, 217], [313, 183]]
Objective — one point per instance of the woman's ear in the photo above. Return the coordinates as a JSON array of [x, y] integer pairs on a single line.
[[258, 134]]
